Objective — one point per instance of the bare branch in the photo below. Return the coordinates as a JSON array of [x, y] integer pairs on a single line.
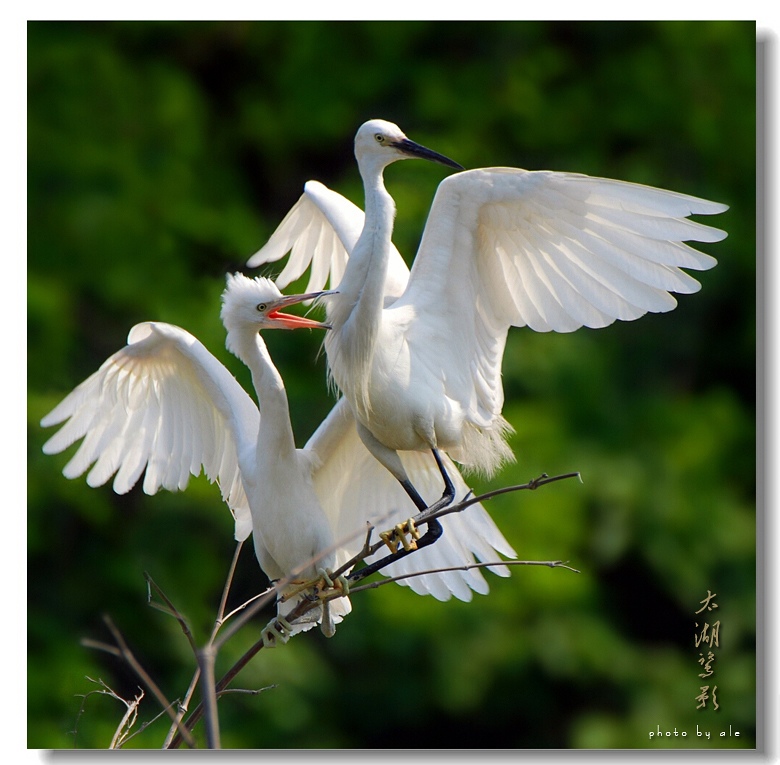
[[170, 609], [128, 719], [128, 656], [145, 725], [532, 485], [251, 600], [100, 646], [247, 691], [364, 552], [464, 567], [456, 507], [206, 660], [226, 589]]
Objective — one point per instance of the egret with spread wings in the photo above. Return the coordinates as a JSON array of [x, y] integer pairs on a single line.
[[166, 406], [418, 355]]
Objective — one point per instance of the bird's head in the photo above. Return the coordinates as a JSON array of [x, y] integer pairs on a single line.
[[378, 143], [257, 304]]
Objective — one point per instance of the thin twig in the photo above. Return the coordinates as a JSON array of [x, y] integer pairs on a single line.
[[128, 719], [100, 646], [247, 691], [145, 725], [247, 603], [532, 485], [464, 567], [183, 706], [457, 507], [226, 589], [128, 656], [169, 608]]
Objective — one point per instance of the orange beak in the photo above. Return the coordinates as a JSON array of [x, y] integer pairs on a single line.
[[289, 321]]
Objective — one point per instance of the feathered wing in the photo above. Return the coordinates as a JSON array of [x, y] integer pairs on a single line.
[[162, 404], [553, 251], [319, 232], [354, 489]]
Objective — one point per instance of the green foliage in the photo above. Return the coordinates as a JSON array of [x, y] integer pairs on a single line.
[[163, 154]]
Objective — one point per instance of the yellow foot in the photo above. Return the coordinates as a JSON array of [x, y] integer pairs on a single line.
[[399, 533], [320, 586], [277, 631]]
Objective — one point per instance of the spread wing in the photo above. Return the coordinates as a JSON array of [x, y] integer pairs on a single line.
[[319, 232], [165, 405], [355, 489], [554, 251]]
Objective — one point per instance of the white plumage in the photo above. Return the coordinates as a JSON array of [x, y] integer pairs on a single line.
[[418, 355], [165, 405]]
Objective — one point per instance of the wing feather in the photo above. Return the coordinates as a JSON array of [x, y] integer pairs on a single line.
[[165, 405], [553, 251], [319, 232]]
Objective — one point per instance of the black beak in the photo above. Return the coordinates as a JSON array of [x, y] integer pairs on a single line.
[[413, 149]]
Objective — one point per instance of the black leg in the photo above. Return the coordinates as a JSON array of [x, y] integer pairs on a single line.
[[449, 489], [414, 496], [434, 530]]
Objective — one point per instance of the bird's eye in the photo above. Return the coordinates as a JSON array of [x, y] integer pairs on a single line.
[[261, 307], [379, 137]]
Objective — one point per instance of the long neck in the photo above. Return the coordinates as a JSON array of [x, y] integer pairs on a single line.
[[363, 284], [357, 315], [275, 435]]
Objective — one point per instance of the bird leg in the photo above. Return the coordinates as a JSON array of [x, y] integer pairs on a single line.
[[341, 584], [447, 496], [400, 531]]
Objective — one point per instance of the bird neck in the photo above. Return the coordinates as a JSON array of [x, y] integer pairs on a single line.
[[275, 434], [357, 315]]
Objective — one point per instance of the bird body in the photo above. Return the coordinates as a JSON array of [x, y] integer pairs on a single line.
[[291, 531], [418, 355]]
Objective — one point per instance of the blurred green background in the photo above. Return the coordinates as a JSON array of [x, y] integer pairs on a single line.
[[161, 155]]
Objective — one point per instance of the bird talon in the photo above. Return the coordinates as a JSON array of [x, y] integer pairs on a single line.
[[278, 630], [398, 535], [322, 582], [408, 527], [325, 579], [389, 538], [339, 585]]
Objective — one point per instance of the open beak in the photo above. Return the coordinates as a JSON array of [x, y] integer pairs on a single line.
[[414, 150], [289, 321]]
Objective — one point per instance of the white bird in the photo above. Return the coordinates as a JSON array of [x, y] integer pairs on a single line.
[[418, 355], [165, 405]]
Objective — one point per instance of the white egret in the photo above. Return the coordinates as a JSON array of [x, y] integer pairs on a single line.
[[418, 355], [165, 405]]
